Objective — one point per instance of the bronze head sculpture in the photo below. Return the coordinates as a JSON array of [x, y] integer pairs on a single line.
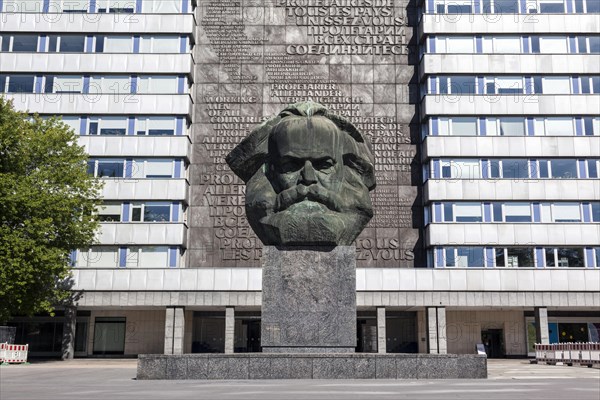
[[308, 174]]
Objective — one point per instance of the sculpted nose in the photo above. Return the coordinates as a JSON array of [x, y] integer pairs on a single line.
[[308, 175]]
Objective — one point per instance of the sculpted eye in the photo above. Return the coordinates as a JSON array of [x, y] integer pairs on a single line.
[[324, 164], [289, 165]]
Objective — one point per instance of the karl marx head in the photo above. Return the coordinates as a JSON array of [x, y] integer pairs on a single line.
[[308, 174]]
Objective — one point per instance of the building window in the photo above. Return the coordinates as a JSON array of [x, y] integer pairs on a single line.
[[20, 83], [566, 212], [162, 6], [563, 169], [148, 257], [515, 169], [519, 257], [469, 257], [569, 258], [151, 212], [106, 168], [24, 43], [64, 84], [595, 212], [156, 126], [153, 168], [109, 212], [517, 212], [464, 126], [512, 126], [467, 212], [114, 44], [112, 126], [98, 257], [160, 44], [70, 44], [116, 6], [158, 84]]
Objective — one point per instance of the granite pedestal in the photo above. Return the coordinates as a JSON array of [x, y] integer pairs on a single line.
[[309, 300], [312, 366]]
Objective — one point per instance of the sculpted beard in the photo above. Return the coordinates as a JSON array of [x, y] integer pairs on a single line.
[[299, 193]]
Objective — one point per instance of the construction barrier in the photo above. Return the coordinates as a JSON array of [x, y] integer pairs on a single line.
[[13, 353], [568, 353]]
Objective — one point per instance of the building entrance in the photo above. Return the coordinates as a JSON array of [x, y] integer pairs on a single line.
[[494, 343]]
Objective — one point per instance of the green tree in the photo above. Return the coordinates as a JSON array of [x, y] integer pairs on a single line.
[[47, 208]]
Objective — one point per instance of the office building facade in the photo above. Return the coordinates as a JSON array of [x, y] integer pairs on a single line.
[[484, 120]]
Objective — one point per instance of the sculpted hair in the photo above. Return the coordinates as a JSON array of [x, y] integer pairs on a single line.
[[251, 154]]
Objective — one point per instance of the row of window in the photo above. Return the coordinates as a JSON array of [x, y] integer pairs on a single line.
[[516, 257], [514, 44], [512, 6], [127, 257], [513, 168], [150, 211], [136, 168], [514, 212], [96, 6], [513, 126], [66, 43], [503, 85], [108, 84], [126, 125]]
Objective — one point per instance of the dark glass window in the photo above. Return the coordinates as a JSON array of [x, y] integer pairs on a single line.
[[72, 44], [5, 42], [507, 6], [20, 84], [585, 85], [550, 262], [93, 128], [593, 6], [462, 85], [471, 256], [515, 168], [537, 85], [571, 258], [552, 8], [113, 131], [582, 44], [564, 169], [99, 44], [579, 6], [497, 212], [592, 169], [520, 257], [49, 84], [2, 83], [543, 169], [110, 169], [450, 261], [25, 43], [443, 80], [596, 84], [157, 212], [52, 43], [91, 166], [595, 212], [459, 9], [161, 132], [588, 126], [594, 43], [500, 261], [535, 44], [494, 168], [448, 216]]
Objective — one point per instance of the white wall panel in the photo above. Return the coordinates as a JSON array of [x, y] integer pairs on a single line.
[[435, 280], [145, 189], [485, 105], [520, 23], [97, 63], [507, 189], [457, 234], [140, 234], [136, 146], [85, 104]]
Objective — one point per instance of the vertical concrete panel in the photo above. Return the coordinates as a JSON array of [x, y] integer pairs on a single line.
[[542, 335], [229, 329], [381, 331]]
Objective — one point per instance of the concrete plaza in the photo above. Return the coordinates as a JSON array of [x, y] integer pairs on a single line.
[[115, 379]]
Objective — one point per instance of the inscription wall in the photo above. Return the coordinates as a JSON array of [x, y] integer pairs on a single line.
[[254, 57]]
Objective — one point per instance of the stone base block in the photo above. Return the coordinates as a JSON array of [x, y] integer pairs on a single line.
[[312, 366]]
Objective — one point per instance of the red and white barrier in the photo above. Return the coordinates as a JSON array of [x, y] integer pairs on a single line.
[[568, 353], [13, 353]]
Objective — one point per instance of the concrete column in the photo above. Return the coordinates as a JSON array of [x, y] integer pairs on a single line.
[[436, 330], [441, 329], [174, 330], [381, 331], [432, 343], [229, 329], [68, 338], [542, 336]]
